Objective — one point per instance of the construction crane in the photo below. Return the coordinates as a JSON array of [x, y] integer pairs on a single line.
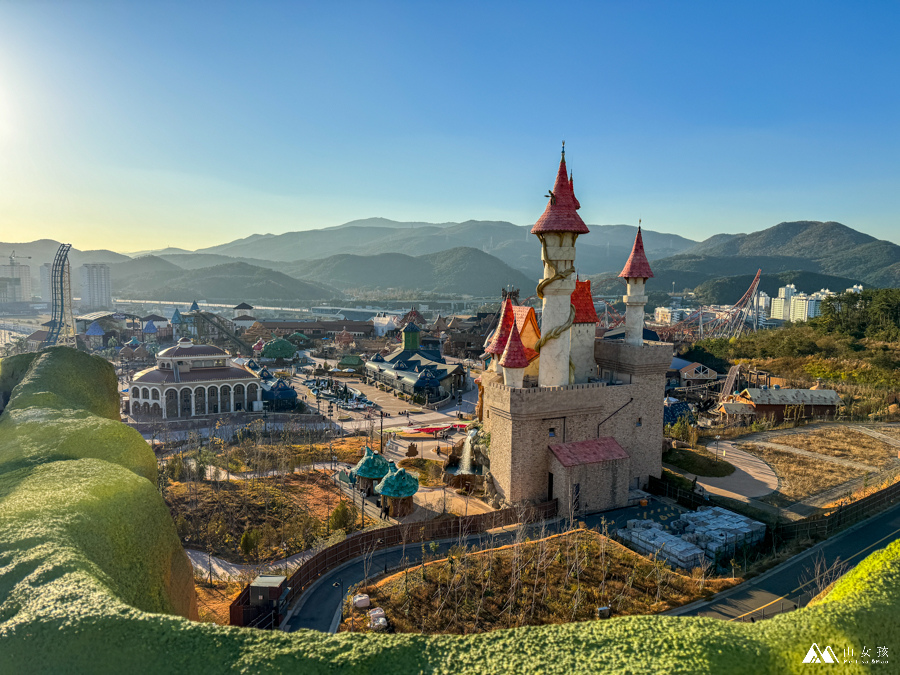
[[13, 257]]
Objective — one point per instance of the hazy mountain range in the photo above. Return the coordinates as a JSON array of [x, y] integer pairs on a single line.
[[480, 257]]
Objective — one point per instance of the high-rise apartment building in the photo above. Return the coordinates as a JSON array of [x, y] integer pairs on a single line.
[[16, 280], [96, 290], [46, 276]]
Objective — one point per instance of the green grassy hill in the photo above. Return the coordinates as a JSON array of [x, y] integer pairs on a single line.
[[94, 579]]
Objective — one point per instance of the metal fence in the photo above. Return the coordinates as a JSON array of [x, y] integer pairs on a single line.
[[690, 500], [241, 613], [822, 527]]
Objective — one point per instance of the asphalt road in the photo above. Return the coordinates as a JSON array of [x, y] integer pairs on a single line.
[[792, 583], [319, 604]]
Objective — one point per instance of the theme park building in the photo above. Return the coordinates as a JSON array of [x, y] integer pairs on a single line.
[[572, 417]]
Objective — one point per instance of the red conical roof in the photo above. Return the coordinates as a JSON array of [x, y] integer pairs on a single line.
[[504, 325], [561, 214], [584, 303], [637, 265], [514, 355]]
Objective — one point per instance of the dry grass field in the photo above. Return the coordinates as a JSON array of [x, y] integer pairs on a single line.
[[841, 442], [291, 509], [892, 430], [799, 477], [214, 599], [557, 579]]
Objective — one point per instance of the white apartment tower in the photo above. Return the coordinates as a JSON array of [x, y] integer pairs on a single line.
[[96, 290]]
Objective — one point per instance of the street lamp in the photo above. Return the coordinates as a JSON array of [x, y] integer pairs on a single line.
[[717, 447], [340, 584]]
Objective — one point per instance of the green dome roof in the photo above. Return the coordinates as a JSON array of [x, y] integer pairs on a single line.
[[372, 465], [398, 484], [279, 348]]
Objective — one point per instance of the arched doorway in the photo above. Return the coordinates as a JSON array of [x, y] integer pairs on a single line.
[[239, 402], [252, 393], [225, 399], [156, 411], [185, 408], [146, 408], [212, 400], [171, 403], [200, 401]]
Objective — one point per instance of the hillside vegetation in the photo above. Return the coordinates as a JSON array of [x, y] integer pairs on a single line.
[[224, 282], [458, 270], [94, 581], [854, 346]]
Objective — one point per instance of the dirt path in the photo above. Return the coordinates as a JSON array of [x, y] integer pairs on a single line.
[[815, 455]]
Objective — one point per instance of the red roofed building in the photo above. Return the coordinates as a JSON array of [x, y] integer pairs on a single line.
[[514, 359], [583, 302], [592, 475], [582, 333], [636, 272], [561, 214], [557, 228], [637, 266], [591, 428], [501, 333]]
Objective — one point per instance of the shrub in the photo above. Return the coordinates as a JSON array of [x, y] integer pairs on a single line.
[[343, 516]]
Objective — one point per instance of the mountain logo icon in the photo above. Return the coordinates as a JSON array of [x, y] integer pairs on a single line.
[[816, 655]]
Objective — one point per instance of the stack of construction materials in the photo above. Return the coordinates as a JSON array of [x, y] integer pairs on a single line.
[[648, 537], [718, 531]]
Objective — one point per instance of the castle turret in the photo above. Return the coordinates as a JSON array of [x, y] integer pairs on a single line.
[[557, 230], [582, 333], [636, 272], [498, 341], [514, 360]]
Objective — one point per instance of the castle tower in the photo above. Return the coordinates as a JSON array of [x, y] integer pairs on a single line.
[[505, 324], [514, 360], [582, 333], [636, 272], [557, 229]]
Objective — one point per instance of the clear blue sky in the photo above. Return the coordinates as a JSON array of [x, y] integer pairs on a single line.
[[130, 125]]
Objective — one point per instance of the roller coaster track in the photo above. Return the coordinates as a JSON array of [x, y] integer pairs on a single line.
[[62, 323], [728, 323], [728, 388], [217, 323]]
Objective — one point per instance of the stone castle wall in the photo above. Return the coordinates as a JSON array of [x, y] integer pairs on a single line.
[[524, 422]]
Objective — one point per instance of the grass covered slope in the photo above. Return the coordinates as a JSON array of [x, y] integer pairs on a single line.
[[92, 579]]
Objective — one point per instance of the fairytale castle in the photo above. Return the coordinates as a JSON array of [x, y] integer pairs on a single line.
[[572, 417]]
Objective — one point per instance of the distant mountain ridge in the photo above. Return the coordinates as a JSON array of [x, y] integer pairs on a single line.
[[815, 254], [826, 247], [513, 244], [464, 271], [225, 283]]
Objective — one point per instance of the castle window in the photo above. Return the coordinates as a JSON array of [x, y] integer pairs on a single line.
[[552, 432]]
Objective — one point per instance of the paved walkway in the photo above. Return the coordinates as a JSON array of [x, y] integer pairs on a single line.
[[752, 477]]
